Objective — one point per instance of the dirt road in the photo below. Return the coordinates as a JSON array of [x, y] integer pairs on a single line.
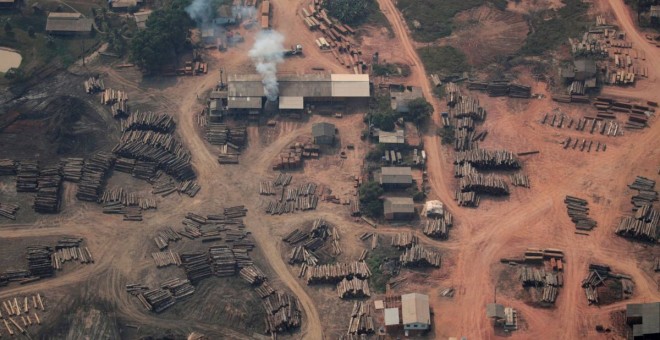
[[502, 228]]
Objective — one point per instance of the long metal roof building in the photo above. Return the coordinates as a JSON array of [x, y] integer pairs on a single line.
[[306, 86]]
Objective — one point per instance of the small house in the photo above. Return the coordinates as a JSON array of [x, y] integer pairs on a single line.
[[399, 208], [415, 312], [399, 100], [323, 133], [68, 23], [644, 318], [387, 137], [395, 177]]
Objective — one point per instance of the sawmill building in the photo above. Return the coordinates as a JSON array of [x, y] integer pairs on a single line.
[[399, 208], [68, 23]]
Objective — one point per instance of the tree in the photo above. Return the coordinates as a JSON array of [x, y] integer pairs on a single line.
[[384, 120], [349, 11], [31, 31], [420, 110], [8, 27], [370, 193], [164, 38]]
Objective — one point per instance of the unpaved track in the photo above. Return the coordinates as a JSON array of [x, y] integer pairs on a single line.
[[503, 228]]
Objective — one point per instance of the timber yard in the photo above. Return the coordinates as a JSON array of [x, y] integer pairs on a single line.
[[316, 169]]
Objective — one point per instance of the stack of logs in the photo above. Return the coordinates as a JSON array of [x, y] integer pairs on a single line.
[[638, 115], [418, 256], [8, 167], [8, 210], [468, 107], [438, 227], [223, 261], [253, 275], [361, 322], [149, 121], [166, 258], [578, 211], [467, 199], [196, 265], [48, 195], [40, 261], [27, 176], [94, 85], [118, 100], [404, 240], [165, 236], [452, 93], [70, 249], [282, 312], [289, 200], [597, 276], [72, 169], [354, 288], [489, 160], [644, 224], [520, 180], [484, 184], [20, 307], [333, 273], [93, 176]]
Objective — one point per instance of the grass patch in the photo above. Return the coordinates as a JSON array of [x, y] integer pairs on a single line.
[[434, 17], [392, 70], [443, 59], [379, 276], [549, 29]]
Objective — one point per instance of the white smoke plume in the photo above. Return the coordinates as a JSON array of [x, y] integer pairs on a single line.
[[200, 10], [243, 12], [266, 53]]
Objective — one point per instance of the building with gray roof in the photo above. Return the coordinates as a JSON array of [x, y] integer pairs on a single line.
[[323, 133], [399, 208], [68, 23], [395, 177]]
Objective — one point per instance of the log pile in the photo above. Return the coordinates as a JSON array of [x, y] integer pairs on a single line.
[[290, 199], [40, 261], [489, 160], [468, 107], [47, 200], [266, 188], [72, 169], [282, 313], [646, 193], [179, 288], [354, 288], [502, 88], [8, 210], [404, 240], [333, 273], [418, 256], [300, 254], [165, 236], [520, 180], [467, 199], [93, 85], [253, 275], [283, 179], [27, 176], [118, 100], [464, 169], [452, 93], [597, 276], [644, 224], [149, 121], [20, 308], [157, 300], [196, 266], [93, 176], [578, 211], [8, 167], [166, 258], [361, 321], [484, 184], [223, 261], [438, 227], [70, 249], [264, 290]]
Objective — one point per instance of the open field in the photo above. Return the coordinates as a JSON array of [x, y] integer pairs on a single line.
[[56, 119]]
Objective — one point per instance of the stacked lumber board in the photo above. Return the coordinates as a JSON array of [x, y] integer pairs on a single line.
[[93, 176], [484, 184], [418, 256], [48, 196], [8, 210], [498, 88], [404, 240], [333, 273], [166, 258], [8, 167], [149, 121], [486, 159], [27, 176], [361, 322], [72, 169], [93, 85], [644, 224], [282, 313], [520, 180], [217, 134], [252, 275], [354, 288], [597, 277], [39, 261], [578, 211]]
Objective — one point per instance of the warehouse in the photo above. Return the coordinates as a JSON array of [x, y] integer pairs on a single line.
[[395, 177], [68, 23], [399, 208], [297, 91], [415, 312]]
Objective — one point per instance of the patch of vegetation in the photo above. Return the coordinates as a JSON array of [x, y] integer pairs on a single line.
[[165, 37], [447, 134], [381, 114], [443, 59], [420, 110], [379, 277], [392, 70], [352, 12], [375, 154], [432, 19], [547, 34], [418, 196], [370, 193]]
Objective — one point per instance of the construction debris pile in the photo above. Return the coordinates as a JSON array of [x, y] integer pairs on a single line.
[[644, 224], [293, 158], [118, 100], [361, 322], [335, 36], [92, 180], [596, 285], [548, 278], [290, 199], [501, 88], [354, 288], [333, 273], [578, 211], [20, 308], [418, 256]]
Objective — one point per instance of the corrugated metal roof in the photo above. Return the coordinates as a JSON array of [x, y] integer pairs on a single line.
[[350, 85], [68, 22], [291, 103], [244, 102], [399, 205], [124, 3], [387, 137], [415, 309], [391, 316], [396, 175], [307, 85], [323, 129], [495, 310]]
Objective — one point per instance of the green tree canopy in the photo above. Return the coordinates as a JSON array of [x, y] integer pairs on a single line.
[[370, 193], [420, 110], [349, 11], [163, 39]]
